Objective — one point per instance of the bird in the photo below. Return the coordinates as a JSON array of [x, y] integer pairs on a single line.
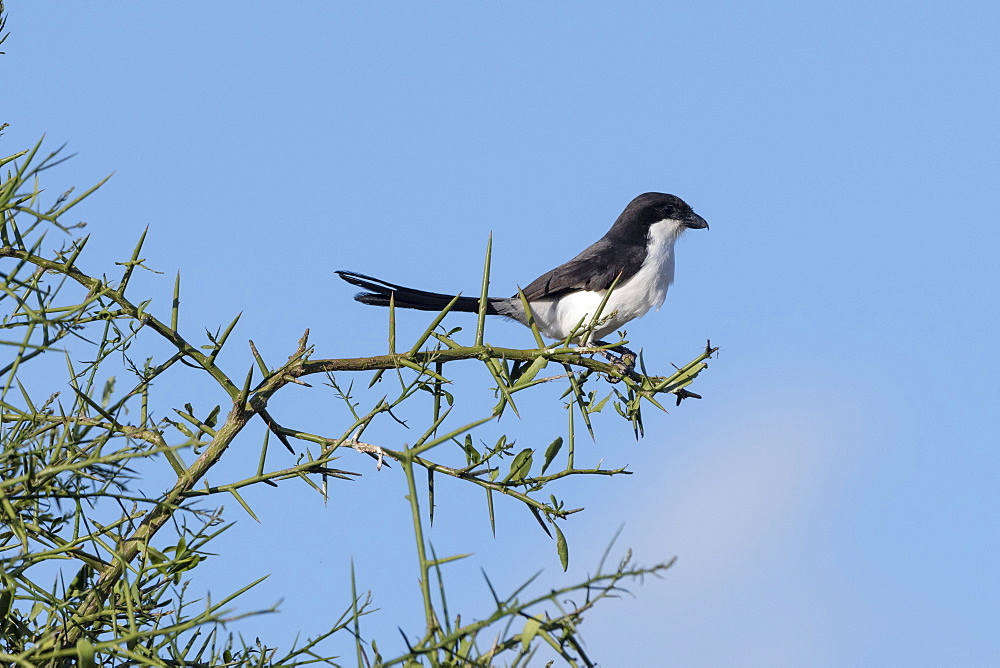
[[634, 260]]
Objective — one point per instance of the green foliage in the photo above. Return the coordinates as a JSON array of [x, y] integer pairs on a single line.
[[75, 452]]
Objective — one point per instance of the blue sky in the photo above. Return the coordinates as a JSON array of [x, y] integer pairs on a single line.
[[833, 500]]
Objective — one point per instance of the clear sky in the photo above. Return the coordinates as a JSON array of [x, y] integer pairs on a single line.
[[833, 500]]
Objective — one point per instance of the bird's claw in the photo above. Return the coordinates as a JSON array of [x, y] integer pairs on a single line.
[[623, 360]]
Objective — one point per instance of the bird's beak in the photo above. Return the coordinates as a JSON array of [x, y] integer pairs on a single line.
[[695, 222]]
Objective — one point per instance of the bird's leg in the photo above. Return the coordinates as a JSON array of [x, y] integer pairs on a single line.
[[620, 356]]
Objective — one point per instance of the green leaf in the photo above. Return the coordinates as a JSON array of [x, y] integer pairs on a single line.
[[521, 466], [471, 454], [596, 408], [155, 556], [213, 417], [529, 374], [85, 654], [551, 452], [562, 548], [529, 632]]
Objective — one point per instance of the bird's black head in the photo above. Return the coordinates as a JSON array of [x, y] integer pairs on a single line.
[[650, 208]]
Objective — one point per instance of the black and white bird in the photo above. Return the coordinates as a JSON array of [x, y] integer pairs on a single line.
[[637, 252]]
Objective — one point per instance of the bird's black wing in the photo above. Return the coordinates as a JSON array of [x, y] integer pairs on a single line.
[[595, 269]]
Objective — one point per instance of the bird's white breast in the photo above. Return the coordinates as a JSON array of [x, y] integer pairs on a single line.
[[631, 298]]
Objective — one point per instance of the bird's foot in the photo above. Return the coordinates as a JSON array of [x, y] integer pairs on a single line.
[[621, 358]]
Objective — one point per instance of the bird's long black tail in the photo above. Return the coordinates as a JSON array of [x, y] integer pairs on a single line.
[[378, 292]]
